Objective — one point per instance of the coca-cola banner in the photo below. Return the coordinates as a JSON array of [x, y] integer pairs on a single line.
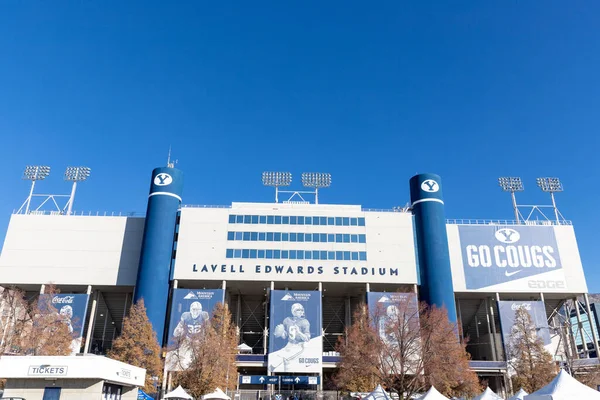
[[73, 308], [536, 310]]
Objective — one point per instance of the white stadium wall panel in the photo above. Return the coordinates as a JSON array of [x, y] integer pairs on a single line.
[[71, 250], [207, 238]]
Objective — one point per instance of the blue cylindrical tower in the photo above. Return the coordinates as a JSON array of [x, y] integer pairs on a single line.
[[157, 245], [432, 242]]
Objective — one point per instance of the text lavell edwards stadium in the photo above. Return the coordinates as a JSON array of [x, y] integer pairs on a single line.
[[299, 270]]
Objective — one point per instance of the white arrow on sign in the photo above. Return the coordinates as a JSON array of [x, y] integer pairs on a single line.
[[261, 379], [297, 380]]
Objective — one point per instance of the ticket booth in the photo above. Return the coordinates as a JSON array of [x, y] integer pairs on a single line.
[[70, 378]]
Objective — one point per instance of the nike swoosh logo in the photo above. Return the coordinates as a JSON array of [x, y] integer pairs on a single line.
[[511, 273]]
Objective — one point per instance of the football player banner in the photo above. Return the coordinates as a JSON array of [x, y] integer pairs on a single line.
[[537, 311], [72, 308], [295, 335], [191, 311]]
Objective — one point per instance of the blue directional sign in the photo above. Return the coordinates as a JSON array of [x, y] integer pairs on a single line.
[[259, 380], [300, 380], [274, 380]]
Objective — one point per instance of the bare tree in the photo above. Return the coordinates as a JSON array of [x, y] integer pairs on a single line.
[[407, 348], [359, 350], [533, 366], [35, 328], [207, 357], [137, 345]]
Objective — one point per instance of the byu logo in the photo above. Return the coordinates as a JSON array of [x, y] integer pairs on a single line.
[[163, 179], [507, 235], [430, 186]]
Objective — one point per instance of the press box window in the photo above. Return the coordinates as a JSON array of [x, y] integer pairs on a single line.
[[230, 235], [293, 220], [237, 253], [246, 236], [239, 219], [270, 220], [229, 253], [232, 219], [261, 236], [353, 221], [238, 235], [285, 220], [362, 255], [278, 220], [284, 254], [361, 221], [253, 253], [254, 236], [245, 253], [262, 219], [270, 236], [301, 220], [247, 219], [346, 221], [362, 238], [261, 254]]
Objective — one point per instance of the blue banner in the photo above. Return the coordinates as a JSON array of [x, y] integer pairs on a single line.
[[537, 311], [300, 380], [191, 310], [295, 336], [497, 254], [73, 308]]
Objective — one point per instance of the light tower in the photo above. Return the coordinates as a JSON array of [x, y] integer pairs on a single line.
[[276, 180], [75, 174], [34, 173], [316, 180], [551, 185], [512, 184]]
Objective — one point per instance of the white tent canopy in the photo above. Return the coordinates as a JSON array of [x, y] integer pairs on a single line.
[[377, 394], [563, 387], [217, 394], [520, 395], [488, 394], [179, 393], [433, 394], [244, 348]]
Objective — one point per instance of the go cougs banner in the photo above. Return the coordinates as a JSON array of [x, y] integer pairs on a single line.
[[536, 310], [295, 339], [73, 308], [499, 255]]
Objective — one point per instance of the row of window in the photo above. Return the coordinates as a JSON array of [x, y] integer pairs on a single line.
[[298, 254], [296, 220], [297, 237]]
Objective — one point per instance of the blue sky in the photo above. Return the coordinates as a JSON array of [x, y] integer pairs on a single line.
[[371, 92]]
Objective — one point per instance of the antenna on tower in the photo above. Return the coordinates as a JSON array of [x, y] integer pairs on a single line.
[[170, 164]]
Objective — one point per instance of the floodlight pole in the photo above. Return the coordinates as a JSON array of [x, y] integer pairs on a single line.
[[72, 198], [555, 208], [30, 196], [515, 207]]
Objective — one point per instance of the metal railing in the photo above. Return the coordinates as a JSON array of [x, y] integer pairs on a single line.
[[505, 222], [87, 213], [203, 206], [248, 394]]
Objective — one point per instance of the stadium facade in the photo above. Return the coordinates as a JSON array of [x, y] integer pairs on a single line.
[[293, 273]]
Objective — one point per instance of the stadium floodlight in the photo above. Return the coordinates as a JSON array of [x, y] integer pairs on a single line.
[[276, 180], [512, 184], [34, 173], [75, 174], [551, 185], [316, 180]]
